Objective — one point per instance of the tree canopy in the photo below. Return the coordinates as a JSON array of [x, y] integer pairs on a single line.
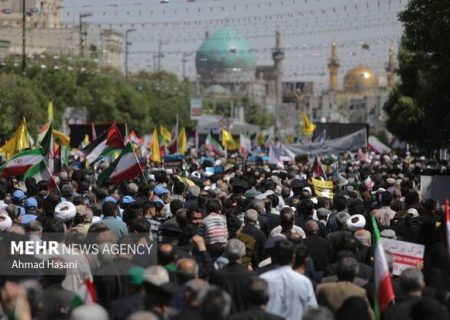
[[143, 100], [418, 108]]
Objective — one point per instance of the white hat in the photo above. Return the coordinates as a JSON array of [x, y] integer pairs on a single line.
[[89, 311], [412, 212], [65, 211], [196, 174], [356, 222]]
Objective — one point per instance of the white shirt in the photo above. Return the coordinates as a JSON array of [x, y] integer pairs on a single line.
[[295, 229], [291, 293]]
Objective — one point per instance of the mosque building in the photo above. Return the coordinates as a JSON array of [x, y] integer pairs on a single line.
[[361, 98], [227, 69]]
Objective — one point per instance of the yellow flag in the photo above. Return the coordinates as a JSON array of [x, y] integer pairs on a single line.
[[182, 141], [156, 155], [323, 188], [260, 138], [228, 140], [308, 127], [64, 139], [50, 111], [18, 141], [165, 134]]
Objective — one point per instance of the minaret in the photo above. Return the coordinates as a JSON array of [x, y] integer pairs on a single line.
[[278, 56], [390, 69], [333, 67]]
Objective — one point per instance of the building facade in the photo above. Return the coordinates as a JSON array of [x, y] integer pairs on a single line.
[[46, 34]]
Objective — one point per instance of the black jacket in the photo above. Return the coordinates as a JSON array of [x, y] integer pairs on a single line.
[[260, 238], [234, 278], [320, 251], [255, 313]]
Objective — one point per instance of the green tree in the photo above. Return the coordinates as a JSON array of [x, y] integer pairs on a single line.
[[418, 108], [19, 98]]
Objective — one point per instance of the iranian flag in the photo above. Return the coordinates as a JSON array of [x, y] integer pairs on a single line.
[[85, 294], [213, 146], [384, 294], [40, 171], [109, 140], [245, 145], [21, 162], [125, 167]]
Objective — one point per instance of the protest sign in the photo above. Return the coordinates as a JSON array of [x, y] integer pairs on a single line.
[[405, 254], [435, 187]]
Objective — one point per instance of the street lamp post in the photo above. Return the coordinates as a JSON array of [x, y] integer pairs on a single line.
[[127, 43], [82, 16], [24, 37]]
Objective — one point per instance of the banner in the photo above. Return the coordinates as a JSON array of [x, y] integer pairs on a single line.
[[349, 142], [405, 254], [323, 188], [196, 108], [435, 187]]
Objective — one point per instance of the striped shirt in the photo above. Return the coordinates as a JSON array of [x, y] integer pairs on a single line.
[[215, 228]]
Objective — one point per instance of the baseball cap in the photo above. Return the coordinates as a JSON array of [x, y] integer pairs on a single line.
[[18, 195], [31, 202], [160, 190], [128, 200], [158, 202], [109, 199]]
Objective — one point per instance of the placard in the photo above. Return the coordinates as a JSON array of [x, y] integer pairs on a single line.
[[196, 108], [405, 254]]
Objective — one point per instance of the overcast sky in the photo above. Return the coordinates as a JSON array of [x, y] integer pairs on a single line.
[[308, 27]]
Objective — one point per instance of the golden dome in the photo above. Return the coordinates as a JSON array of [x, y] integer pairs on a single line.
[[360, 79]]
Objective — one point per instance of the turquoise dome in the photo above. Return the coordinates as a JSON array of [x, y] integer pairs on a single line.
[[224, 49]]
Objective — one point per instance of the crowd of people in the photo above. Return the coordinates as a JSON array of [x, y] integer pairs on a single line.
[[252, 242]]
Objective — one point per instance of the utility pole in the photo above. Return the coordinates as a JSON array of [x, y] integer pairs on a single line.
[[278, 56], [24, 37], [127, 43], [183, 61], [160, 55], [82, 16]]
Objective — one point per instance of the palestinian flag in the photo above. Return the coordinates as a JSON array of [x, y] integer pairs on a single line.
[[111, 139], [213, 146], [48, 147], [317, 169], [384, 294], [85, 295], [40, 171], [21, 162], [125, 167]]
